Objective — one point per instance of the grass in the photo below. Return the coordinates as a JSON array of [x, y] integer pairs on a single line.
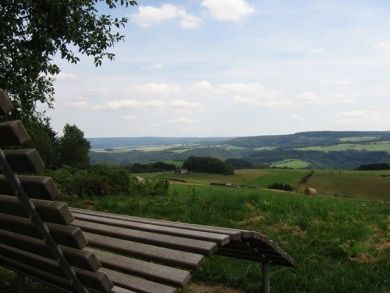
[[291, 163], [357, 184], [347, 183], [341, 245]]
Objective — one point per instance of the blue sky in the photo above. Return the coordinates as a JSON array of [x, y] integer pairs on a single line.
[[235, 68]]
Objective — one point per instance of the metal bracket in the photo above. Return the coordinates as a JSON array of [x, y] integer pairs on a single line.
[[41, 227], [266, 284]]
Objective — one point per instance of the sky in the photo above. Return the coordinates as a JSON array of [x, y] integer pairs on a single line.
[[235, 68]]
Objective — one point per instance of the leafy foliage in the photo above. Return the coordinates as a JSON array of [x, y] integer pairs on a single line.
[[383, 166], [34, 32], [239, 163], [207, 164], [151, 167], [73, 148], [281, 186]]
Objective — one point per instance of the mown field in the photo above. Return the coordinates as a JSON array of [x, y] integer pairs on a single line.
[[291, 163], [341, 245]]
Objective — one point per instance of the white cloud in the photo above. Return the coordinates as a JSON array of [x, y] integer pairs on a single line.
[[261, 102], [64, 76], [353, 117], [228, 10], [130, 117], [180, 120], [384, 45], [154, 89], [184, 105], [189, 21], [326, 99], [298, 117], [143, 104], [77, 104], [148, 16], [153, 66], [335, 82]]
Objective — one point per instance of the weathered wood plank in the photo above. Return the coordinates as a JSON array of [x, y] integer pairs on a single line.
[[145, 251], [221, 239], [5, 103], [39, 187], [96, 280], [50, 211], [180, 243], [147, 270], [13, 133], [34, 273], [136, 283], [63, 235], [233, 233], [117, 289], [83, 259], [24, 160]]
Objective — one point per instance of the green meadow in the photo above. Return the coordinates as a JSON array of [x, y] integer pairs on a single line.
[[340, 244]]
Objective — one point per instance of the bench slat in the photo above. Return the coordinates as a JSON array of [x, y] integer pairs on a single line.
[[50, 211], [83, 259], [221, 239], [117, 289], [5, 103], [148, 270], [145, 251], [233, 233], [63, 235], [24, 160], [34, 273], [13, 133], [39, 187], [96, 280], [180, 243], [136, 283]]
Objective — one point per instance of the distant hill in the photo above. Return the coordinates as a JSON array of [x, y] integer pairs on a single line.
[[307, 139], [120, 142], [316, 149]]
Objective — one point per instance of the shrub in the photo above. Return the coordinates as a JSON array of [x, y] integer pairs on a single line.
[[239, 163], [96, 180], [306, 178], [380, 166], [280, 186], [151, 167], [207, 164], [148, 186]]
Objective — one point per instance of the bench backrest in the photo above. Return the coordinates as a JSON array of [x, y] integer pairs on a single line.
[[36, 235]]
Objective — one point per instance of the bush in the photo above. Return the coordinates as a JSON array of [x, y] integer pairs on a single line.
[[370, 167], [239, 163], [98, 180], [280, 186], [306, 178], [208, 165], [152, 167], [148, 186]]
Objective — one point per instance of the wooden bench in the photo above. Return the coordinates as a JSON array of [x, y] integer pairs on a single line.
[[89, 251]]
